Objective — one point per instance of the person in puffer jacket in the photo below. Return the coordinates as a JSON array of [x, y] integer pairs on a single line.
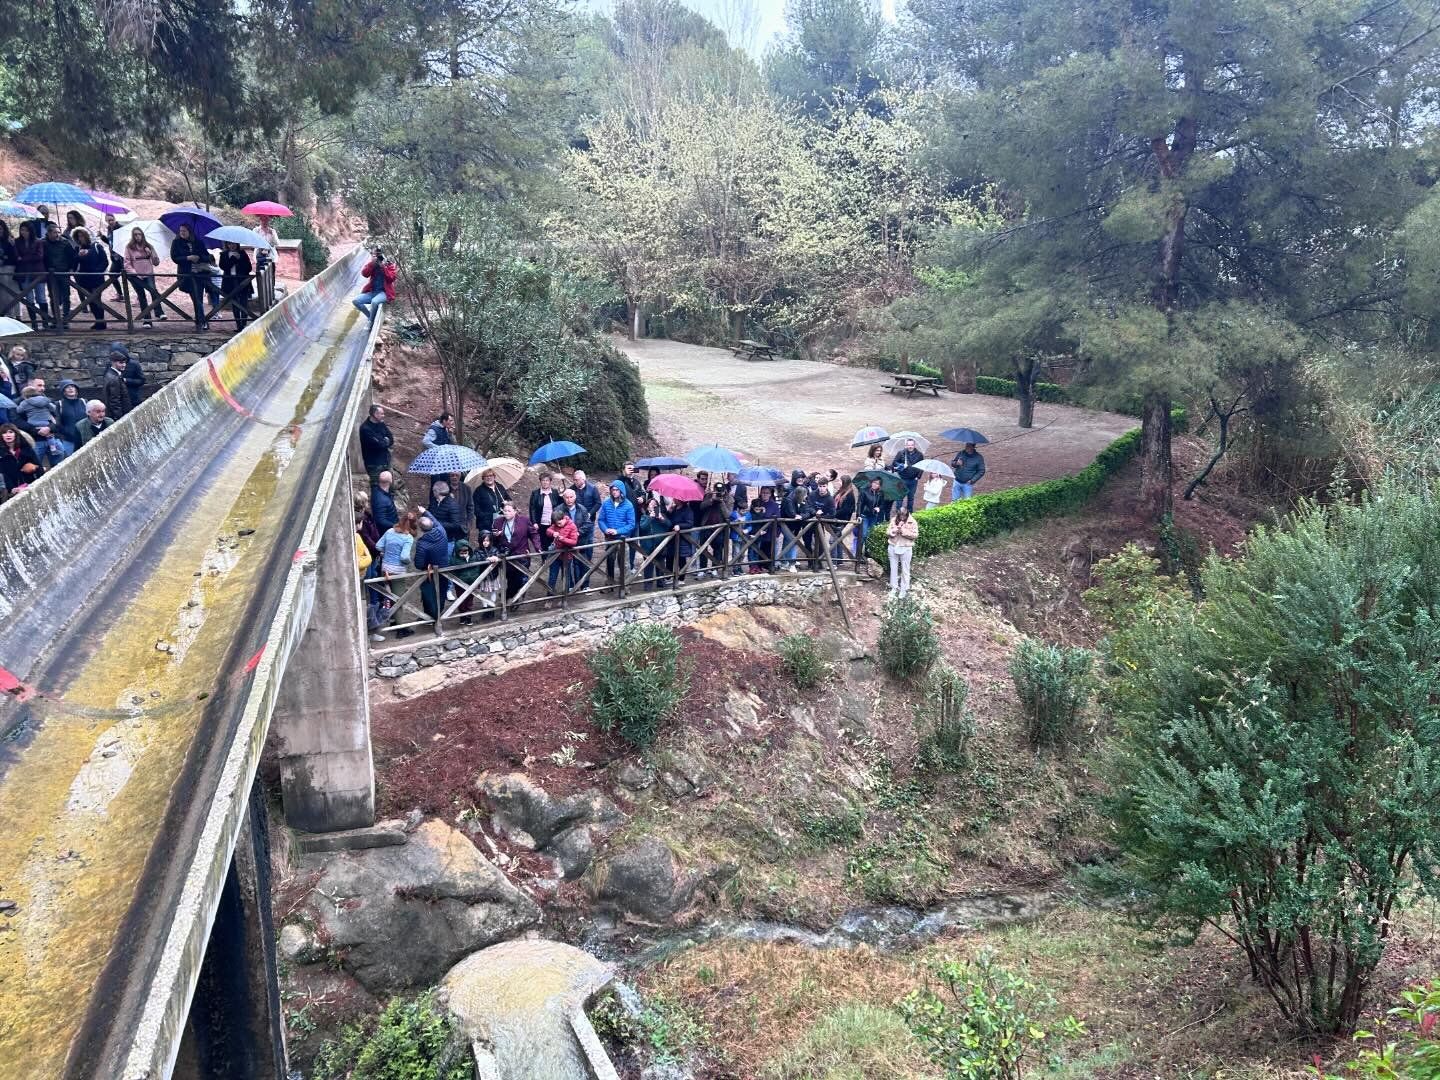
[[34, 407], [432, 550]]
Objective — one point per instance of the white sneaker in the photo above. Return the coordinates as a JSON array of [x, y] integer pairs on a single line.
[[379, 639]]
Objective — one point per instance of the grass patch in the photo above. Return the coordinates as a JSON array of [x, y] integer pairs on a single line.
[[853, 1042]]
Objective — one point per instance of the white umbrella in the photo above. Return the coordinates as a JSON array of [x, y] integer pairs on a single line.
[[159, 236], [94, 219], [896, 442], [11, 327], [939, 468]]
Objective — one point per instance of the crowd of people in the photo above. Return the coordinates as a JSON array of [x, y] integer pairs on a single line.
[[625, 529], [38, 431], [42, 262]]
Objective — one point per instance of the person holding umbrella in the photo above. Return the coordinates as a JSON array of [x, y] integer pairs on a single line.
[[192, 262], [969, 466], [489, 497], [61, 259], [141, 261], [904, 464], [235, 287]]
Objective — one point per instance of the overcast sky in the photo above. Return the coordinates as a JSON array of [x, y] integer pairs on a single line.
[[756, 21]]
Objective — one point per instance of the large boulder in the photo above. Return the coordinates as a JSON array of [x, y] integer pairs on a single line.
[[645, 881], [526, 814], [399, 917]]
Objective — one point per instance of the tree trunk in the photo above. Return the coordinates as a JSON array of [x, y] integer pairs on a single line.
[[1025, 375], [962, 376], [1155, 498], [632, 318]]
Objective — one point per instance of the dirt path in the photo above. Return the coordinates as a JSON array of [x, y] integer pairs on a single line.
[[800, 414]]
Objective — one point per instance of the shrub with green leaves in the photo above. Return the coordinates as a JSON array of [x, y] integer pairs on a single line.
[[1406, 1043], [1044, 391], [802, 660], [1053, 684], [942, 723], [1277, 768], [982, 1020], [314, 254], [639, 682], [908, 642], [413, 1039]]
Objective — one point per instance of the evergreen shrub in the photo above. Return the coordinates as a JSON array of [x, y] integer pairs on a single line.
[[1053, 684], [801, 658], [908, 642], [639, 682]]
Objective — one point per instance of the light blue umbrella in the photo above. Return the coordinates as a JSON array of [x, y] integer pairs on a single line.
[[715, 459], [236, 234], [9, 208], [554, 450], [450, 458], [53, 192]]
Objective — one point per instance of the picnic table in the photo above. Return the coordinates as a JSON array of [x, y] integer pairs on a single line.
[[753, 350], [911, 383]]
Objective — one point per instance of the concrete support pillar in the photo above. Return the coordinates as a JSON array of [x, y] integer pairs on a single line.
[[321, 722], [236, 1029]]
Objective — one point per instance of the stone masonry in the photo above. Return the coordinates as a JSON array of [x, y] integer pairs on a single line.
[[527, 638], [81, 354]]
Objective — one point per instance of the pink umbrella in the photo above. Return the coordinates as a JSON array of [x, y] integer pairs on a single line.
[[265, 208], [675, 486]]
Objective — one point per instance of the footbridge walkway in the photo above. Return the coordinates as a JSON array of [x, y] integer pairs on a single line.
[[154, 589]]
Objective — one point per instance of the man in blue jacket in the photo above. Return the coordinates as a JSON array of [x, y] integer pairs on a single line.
[[431, 550], [382, 502], [616, 523]]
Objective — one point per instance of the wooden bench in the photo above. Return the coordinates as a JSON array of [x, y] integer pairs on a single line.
[[911, 383], [753, 350]]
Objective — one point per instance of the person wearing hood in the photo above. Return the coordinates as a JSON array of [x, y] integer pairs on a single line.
[[134, 373], [466, 572], [93, 424], [72, 411], [616, 524], [432, 551], [115, 391], [18, 465], [35, 408], [873, 508], [446, 511]]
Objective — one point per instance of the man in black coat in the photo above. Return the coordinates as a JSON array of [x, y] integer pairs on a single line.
[[375, 443], [904, 464], [446, 512], [545, 502], [115, 393], [61, 259], [382, 502], [134, 373]]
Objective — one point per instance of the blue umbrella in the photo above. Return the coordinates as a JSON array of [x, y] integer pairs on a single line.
[[554, 450], [15, 209], [715, 459], [662, 463], [53, 192], [439, 460], [201, 222], [762, 475], [964, 435], [235, 234]]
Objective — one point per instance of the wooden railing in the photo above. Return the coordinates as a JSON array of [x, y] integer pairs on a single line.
[[123, 302], [506, 586]]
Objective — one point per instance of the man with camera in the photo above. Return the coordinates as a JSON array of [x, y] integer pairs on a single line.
[[379, 276]]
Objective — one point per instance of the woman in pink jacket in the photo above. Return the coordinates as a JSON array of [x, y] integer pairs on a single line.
[[141, 262]]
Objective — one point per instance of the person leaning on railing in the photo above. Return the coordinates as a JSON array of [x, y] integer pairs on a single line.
[[142, 262], [192, 263], [616, 524]]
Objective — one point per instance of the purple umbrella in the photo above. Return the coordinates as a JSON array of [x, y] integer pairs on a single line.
[[107, 203], [201, 222]]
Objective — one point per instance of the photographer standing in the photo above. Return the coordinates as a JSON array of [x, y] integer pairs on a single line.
[[379, 284]]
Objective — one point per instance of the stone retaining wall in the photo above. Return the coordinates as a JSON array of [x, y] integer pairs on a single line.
[[525, 639], [82, 355]]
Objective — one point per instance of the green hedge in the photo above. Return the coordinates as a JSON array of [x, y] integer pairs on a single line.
[[973, 519], [1050, 392]]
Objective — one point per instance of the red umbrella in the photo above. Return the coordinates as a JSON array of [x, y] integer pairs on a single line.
[[675, 486], [265, 208]]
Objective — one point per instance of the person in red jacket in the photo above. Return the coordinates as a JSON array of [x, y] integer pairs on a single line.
[[379, 285]]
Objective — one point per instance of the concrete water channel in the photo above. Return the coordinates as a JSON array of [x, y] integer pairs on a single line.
[[141, 582]]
